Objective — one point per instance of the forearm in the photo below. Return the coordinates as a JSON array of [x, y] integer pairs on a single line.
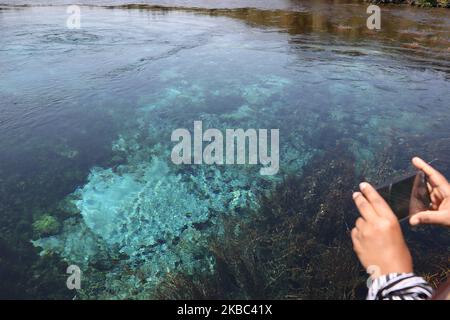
[[399, 286]]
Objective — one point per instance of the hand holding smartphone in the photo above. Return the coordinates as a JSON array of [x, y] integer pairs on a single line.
[[408, 195]]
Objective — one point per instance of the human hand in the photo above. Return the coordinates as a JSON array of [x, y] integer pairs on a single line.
[[377, 236], [439, 189]]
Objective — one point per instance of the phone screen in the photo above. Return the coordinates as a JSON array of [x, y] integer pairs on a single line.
[[407, 196]]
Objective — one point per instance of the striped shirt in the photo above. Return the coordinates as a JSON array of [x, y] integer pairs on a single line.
[[399, 286]]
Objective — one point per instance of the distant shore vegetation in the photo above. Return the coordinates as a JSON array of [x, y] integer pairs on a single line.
[[420, 3]]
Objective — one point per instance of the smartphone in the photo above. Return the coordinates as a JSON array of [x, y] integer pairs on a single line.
[[408, 195]]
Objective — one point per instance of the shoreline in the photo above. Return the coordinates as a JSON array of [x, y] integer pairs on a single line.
[[163, 6]]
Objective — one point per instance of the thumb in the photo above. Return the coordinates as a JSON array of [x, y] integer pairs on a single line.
[[429, 217]]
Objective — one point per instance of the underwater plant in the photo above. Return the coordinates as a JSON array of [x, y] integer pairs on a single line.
[[420, 3], [295, 246], [46, 225]]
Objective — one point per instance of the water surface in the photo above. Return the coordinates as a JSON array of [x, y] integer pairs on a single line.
[[86, 118]]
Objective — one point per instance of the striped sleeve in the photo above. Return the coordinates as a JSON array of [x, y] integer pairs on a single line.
[[399, 286]]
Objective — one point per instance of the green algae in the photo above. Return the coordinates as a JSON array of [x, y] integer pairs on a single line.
[[46, 225]]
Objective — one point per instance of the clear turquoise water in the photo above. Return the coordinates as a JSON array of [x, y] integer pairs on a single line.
[[86, 118]]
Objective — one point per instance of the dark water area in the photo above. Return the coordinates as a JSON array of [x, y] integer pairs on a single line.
[[86, 117]]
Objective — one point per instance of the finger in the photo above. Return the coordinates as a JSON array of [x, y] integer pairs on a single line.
[[377, 201], [354, 234], [355, 240], [434, 206], [359, 224], [430, 217], [430, 188], [436, 179], [435, 200], [364, 207], [437, 194]]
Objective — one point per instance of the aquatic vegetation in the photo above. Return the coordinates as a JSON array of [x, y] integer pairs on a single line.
[[420, 3], [46, 225], [154, 219], [97, 157], [151, 212], [294, 247], [443, 3], [439, 276], [151, 217], [121, 207]]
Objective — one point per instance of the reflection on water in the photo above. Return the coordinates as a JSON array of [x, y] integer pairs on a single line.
[[86, 117], [411, 30]]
